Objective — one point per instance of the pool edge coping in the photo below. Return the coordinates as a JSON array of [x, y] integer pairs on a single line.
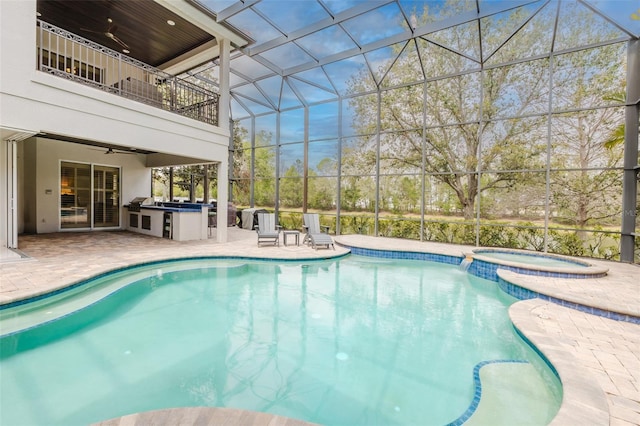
[[587, 271], [505, 281], [583, 399]]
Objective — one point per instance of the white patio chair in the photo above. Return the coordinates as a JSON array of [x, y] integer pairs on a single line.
[[315, 234], [267, 229]]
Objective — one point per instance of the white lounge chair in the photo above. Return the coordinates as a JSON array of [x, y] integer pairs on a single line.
[[267, 229], [316, 234]]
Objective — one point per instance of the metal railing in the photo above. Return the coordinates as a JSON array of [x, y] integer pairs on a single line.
[[75, 58]]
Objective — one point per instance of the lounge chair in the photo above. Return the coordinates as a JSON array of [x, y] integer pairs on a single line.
[[267, 229], [316, 234]]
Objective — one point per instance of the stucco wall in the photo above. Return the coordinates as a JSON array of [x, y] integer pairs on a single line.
[[36, 102], [42, 179], [45, 103]]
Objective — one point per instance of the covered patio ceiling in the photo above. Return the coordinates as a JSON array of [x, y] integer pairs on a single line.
[[154, 32]]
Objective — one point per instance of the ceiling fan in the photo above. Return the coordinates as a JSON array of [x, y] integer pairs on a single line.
[[110, 33], [110, 151]]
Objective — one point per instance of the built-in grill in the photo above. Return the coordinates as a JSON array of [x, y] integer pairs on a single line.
[[134, 205]]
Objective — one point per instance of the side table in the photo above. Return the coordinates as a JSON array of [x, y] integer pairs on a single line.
[[293, 232]]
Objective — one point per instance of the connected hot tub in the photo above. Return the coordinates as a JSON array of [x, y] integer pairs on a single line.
[[485, 262]]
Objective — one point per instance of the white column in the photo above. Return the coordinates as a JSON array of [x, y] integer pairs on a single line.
[[5, 212], [10, 227], [223, 200], [223, 122], [225, 98]]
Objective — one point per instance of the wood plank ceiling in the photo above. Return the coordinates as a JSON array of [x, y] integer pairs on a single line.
[[140, 24]]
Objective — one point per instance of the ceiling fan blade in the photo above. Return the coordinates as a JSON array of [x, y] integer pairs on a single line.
[[117, 40], [91, 31], [109, 151], [116, 151], [110, 33]]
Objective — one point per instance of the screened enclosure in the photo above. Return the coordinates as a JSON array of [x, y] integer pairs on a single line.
[[493, 123]]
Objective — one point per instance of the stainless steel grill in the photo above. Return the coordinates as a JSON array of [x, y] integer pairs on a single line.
[[134, 205]]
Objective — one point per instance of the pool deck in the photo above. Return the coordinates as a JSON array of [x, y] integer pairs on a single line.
[[598, 359]]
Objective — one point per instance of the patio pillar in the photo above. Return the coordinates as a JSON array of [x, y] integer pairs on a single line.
[[205, 184], [170, 184], [223, 122], [225, 97], [8, 203], [630, 176], [223, 200]]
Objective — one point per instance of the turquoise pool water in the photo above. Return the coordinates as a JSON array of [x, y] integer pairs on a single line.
[[352, 341], [537, 259]]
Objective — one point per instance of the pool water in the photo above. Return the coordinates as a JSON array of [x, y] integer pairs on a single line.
[[530, 259], [355, 341]]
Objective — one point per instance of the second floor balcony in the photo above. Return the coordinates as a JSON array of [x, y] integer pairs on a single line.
[[75, 58]]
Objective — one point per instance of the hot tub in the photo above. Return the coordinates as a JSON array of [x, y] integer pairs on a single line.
[[486, 261]]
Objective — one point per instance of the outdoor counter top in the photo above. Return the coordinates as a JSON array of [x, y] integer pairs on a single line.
[[176, 221], [178, 207]]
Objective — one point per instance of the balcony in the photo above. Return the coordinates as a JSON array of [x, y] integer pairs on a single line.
[[75, 58]]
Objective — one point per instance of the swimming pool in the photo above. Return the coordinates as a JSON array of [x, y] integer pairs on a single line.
[[348, 341]]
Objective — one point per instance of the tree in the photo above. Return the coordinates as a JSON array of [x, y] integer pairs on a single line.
[[160, 178], [188, 181], [457, 109], [264, 170], [241, 164], [291, 186], [322, 193], [409, 195], [471, 120], [263, 166], [616, 138], [585, 189]]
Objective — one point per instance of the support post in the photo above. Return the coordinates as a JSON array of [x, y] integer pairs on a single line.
[[222, 201], [224, 101], [12, 195], [630, 162]]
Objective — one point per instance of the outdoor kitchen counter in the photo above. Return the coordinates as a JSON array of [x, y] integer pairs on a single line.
[[171, 220]]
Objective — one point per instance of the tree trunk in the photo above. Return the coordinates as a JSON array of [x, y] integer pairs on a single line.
[[468, 210]]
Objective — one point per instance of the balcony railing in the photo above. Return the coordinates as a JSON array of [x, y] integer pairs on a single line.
[[72, 57]]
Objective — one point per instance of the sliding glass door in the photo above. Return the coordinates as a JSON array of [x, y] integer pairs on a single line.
[[106, 196], [75, 195], [89, 196]]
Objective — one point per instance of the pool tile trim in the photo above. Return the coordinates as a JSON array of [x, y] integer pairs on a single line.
[[485, 269], [481, 251], [406, 255], [524, 294], [477, 393]]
